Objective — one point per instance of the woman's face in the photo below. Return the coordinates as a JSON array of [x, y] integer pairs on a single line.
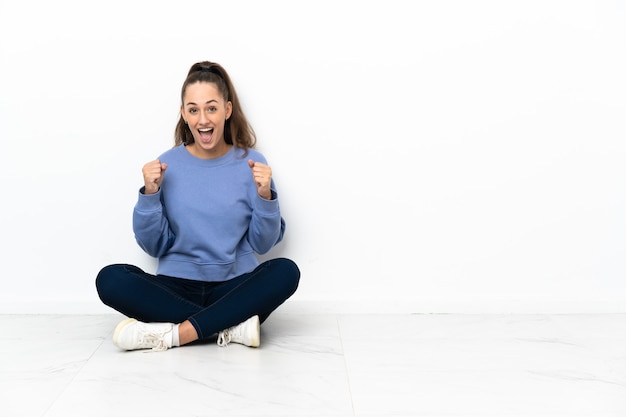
[[205, 111]]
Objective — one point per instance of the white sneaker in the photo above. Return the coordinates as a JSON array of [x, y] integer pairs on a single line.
[[247, 333], [131, 334]]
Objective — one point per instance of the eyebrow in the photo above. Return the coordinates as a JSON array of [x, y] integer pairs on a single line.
[[191, 103]]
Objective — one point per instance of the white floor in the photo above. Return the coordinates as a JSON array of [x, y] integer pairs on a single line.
[[324, 365]]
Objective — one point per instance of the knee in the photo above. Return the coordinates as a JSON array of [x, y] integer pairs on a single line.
[[290, 273], [106, 280], [103, 280]]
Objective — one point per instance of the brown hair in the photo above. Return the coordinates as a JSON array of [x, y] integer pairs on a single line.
[[237, 130]]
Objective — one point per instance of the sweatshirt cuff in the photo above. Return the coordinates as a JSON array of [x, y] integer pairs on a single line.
[[269, 206], [148, 202]]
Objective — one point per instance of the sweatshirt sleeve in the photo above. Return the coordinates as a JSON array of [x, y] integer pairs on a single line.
[[267, 227], [150, 225]]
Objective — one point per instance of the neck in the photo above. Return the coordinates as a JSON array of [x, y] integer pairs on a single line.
[[217, 152]]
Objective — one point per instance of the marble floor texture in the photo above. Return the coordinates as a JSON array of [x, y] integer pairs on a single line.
[[324, 365]]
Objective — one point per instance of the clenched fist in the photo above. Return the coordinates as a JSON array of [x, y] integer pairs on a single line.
[[262, 175], [153, 173]]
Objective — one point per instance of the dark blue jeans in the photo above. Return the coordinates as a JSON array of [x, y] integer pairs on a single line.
[[210, 306]]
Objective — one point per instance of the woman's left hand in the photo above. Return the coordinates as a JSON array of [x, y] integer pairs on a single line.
[[262, 175]]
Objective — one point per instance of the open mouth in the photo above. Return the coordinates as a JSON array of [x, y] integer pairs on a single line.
[[206, 134]]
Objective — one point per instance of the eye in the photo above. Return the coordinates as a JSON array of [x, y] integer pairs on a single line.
[[192, 110], [212, 109]]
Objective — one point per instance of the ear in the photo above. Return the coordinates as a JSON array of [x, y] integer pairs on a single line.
[[182, 114], [229, 110]]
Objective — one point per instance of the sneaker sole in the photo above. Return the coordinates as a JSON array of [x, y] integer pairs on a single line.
[[118, 329]]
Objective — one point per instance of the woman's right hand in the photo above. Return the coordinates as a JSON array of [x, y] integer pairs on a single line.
[[153, 173]]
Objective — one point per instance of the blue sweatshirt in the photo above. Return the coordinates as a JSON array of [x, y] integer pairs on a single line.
[[207, 220]]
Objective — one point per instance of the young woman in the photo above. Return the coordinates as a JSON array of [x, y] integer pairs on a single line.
[[206, 207]]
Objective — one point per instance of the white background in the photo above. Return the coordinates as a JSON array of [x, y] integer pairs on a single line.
[[431, 156]]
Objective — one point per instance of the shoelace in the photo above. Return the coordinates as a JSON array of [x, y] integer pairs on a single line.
[[152, 337], [224, 338]]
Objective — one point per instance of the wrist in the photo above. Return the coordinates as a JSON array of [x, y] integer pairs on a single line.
[[148, 191]]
